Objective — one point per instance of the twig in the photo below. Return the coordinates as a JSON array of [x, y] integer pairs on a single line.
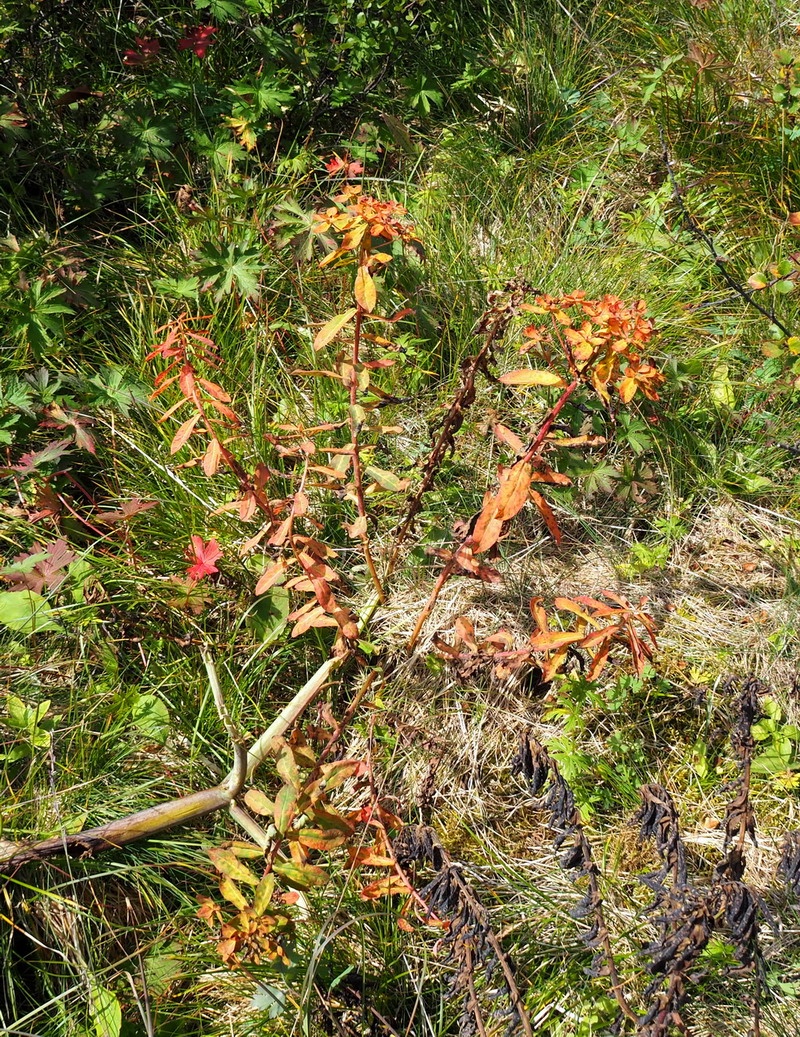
[[708, 241]]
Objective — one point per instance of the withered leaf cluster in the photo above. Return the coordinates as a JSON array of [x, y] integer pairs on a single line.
[[473, 947]]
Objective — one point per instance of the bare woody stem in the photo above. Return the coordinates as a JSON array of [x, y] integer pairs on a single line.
[[451, 564], [358, 479]]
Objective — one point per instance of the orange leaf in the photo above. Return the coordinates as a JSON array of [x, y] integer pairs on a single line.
[[332, 328], [211, 458], [270, 576], [183, 434], [388, 886], [547, 514], [528, 377], [554, 639], [509, 438], [513, 491], [365, 291]]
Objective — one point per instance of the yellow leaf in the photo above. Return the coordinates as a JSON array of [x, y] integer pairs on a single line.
[[243, 131], [365, 291], [527, 377]]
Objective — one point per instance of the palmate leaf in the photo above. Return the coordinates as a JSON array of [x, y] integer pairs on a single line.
[[229, 267]]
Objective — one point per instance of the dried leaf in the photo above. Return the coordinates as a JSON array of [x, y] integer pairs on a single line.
[[527, 377], [365, 292]]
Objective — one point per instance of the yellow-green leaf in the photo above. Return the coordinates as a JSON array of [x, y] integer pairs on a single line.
[[333, 327], [284, 808], [301, 876], [259, 803], [227, 863], [231, 892], [263, 894]]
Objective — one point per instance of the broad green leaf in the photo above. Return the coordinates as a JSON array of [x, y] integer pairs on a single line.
[[106, 1012], [26, 612], [150, 716], [269, 614]]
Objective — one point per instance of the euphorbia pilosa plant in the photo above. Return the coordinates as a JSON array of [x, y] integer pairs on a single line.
[[585, 343]]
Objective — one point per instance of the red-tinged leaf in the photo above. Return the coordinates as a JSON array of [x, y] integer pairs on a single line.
[[398, 316], [225, 861], [364, 290], [465, 631], [239, 848], [284, 808], [226, 949], [508, 438], [126, 511], [358, 528], [539, 614], [404, 925], [231, 892], [317, 839], [592, 603], [300, 505], [368, 857], [211, 457], [330, 818], [388, 886], [187, 382], [568, 605], [554, 639], [548, 475], [171, 410], [347, 622], [225, 411], [553, 666], [335, 773], [214, 390], [598, 662], [599, 637], [528, 377], [332, 328], [278, 538], [300, 876], [547, 514], [31, 462], [183, 433], [374, 365], [317, 617], [270, 576], [263, 894], [203, 556], [259, 803]]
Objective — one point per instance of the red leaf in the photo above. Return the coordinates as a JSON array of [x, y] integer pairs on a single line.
[[202, 556], [198, 40], [183, 433]]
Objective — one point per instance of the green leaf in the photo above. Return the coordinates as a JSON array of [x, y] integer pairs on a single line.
[[150, 716], [284, 808], [721, 389], [386, 480], [106, 1012], [229, 266], [269, 614], [263, 893], [26, 612], [784, 287], [259, 802]]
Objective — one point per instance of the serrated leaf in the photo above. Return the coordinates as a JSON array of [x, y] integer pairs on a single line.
[[332, 328]]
